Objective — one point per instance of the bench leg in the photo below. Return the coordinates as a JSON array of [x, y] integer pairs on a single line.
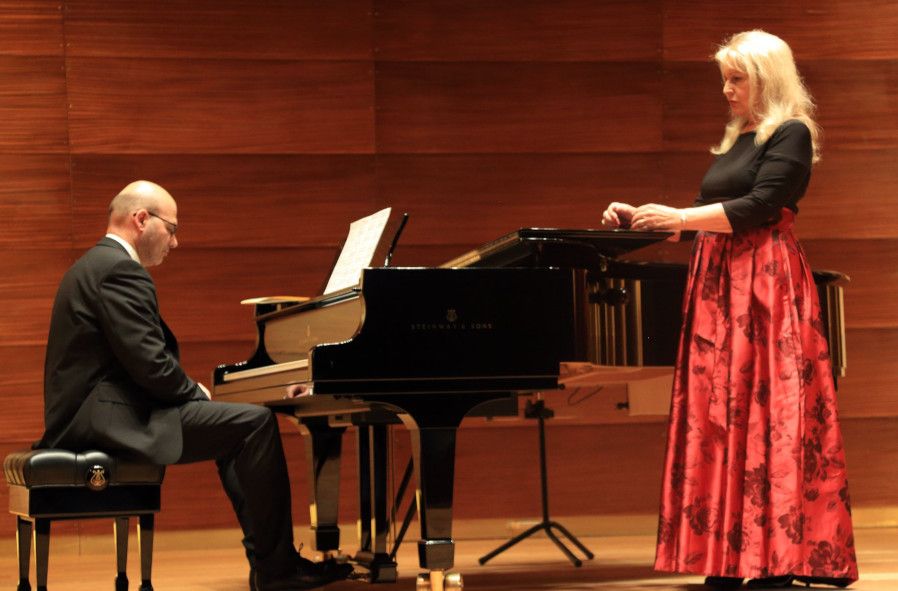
[[145, 539], [120, 529], [23, 551], [41, 552]]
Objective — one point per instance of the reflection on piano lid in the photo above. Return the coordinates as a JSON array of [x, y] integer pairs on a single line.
[[571, 249]]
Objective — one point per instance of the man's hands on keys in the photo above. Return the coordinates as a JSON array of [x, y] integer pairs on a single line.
[[294, 390]]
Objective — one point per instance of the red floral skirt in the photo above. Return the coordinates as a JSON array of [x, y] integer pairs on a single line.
[[754, 475]]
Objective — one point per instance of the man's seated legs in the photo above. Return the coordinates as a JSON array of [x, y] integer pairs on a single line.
[[245, 441]]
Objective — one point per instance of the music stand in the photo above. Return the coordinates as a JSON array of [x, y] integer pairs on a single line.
[[537, 410]]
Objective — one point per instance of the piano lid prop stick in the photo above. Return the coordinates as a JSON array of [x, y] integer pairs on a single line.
[[393, 244]]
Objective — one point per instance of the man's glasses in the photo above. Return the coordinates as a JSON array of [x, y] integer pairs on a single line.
[[172, 228]]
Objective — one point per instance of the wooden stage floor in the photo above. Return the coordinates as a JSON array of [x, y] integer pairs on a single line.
[[196, 562]]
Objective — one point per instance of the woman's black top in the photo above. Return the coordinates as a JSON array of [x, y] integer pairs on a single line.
[[755, 182]]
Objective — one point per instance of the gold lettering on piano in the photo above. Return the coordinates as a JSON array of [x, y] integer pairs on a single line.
[[452, 323]]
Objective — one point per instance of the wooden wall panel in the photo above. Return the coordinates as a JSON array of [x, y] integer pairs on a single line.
[[695, 110], [853, 98], [853, 194], [35, 205], [27, 291], [510, 107], [472, 199], [683, 171], [815, 29], [873, 267], [21, 392], [200, 289], [219, 106], [32, 105], [31, 27], [868, 389], [872, 455], [273, 29], [231, 201], [515, 30], [854, 102], [409, 255]]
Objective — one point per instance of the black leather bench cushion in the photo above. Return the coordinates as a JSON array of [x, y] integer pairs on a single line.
[[57, 467]]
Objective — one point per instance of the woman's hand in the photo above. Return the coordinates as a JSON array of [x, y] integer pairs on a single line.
[[618, 215], [655, 217]]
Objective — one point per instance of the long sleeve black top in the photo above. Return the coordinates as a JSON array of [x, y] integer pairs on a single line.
[[755, 182]]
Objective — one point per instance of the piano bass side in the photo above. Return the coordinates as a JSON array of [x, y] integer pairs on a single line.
[[429, 346], [412, 331]]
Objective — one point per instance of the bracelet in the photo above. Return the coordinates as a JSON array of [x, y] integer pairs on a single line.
[[682, 219]]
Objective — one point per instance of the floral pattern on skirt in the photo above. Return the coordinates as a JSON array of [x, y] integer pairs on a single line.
[[754, 478]]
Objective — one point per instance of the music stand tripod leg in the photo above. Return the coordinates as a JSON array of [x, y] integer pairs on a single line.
[[573, 539], [539, 411]]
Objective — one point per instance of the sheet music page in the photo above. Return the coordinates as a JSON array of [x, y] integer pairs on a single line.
[[364, 235]]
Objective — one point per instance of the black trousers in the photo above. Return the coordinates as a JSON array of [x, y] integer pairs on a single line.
[[245, 442]]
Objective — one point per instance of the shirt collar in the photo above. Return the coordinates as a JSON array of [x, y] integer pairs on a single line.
[[131, 252]]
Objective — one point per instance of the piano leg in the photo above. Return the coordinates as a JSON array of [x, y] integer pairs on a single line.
[[374, 519], [433, 431], [323, 445]]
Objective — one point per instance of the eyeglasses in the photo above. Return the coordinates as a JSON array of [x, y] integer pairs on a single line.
[[172, 228]]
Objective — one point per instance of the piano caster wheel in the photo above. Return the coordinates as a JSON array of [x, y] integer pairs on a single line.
[[453, 582], [438, 580]]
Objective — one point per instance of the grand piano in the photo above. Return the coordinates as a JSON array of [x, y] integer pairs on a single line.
[[429, 346]]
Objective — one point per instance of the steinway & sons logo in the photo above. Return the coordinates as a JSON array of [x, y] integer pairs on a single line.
[[452, 322]]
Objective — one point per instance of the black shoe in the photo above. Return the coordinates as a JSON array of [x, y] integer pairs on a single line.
[[723, 582], [831, 581], [307, 575], [771, 582]]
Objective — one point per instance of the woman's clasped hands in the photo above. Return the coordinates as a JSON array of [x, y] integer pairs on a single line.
[[648, 217]]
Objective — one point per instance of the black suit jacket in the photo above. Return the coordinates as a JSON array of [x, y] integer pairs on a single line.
[[112, 379]]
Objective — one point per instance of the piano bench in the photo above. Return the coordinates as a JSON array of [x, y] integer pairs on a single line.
[[53, 484]]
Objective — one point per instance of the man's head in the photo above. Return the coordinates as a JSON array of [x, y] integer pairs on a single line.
[[145, 215]]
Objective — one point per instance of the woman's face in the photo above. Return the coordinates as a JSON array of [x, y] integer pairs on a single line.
[[737, 91]]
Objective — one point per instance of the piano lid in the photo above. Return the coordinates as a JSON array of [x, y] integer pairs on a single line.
[[556, 247]]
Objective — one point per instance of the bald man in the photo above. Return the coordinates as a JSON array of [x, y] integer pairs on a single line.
[[112, 381]]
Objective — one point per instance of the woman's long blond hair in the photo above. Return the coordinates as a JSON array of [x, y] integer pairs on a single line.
[[777, 93]]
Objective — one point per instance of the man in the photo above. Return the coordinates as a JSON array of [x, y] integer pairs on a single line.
[[112, 381]]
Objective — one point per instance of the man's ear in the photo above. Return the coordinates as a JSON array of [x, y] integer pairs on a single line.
[[139, 218]]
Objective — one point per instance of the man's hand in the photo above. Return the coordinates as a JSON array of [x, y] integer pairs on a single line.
[[294, 390], [205, 390]]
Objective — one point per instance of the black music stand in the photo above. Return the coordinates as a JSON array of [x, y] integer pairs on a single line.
[[537, 410]]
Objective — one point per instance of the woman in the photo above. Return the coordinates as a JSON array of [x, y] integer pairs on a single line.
[[754, 479]]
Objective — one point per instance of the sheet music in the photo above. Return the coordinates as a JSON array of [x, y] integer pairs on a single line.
[[364, 235]]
